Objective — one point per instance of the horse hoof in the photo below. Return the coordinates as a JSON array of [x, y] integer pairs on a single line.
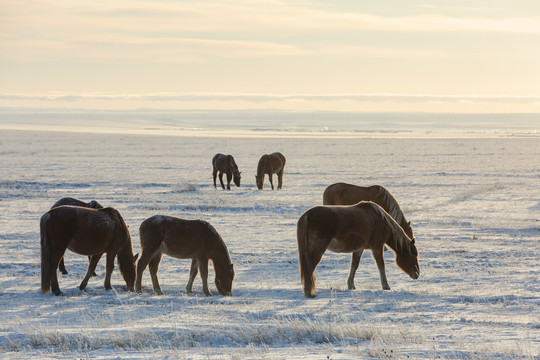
[[64, 272]]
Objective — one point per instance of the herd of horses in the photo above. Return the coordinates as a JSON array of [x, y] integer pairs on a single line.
[[352, 219]]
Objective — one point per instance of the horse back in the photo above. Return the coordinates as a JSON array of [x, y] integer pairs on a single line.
[[179, 238], [347, 228], [271, 163], [278, 161], [83, 230], [349, 194]]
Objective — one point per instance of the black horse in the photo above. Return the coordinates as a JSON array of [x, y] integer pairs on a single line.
[[224, 164], [75, 202]]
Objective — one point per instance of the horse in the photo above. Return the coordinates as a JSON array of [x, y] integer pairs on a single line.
[[270, 164], [85, 231], [349, 194], [225, 164], [352, 229], [184, 239], [74, 202]]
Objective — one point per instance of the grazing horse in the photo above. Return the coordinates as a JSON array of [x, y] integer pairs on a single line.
[[184, 239], [349, 194], [225, 164], [270, 164], [85, 231], [74, 202], [352, 229]]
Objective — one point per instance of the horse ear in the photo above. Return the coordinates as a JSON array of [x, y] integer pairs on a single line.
[[409, 223], [135, 257]]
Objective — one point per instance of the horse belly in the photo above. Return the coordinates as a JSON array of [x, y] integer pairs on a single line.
[[90, 242], [87, 247], [177, 250], [344, 245]]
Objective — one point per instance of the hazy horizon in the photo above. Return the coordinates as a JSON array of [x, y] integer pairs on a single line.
[[266, 122]]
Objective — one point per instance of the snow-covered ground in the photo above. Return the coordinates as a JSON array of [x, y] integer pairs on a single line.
[[474, 204]]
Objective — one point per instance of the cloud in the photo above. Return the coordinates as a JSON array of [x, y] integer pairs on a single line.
[[262, 98]]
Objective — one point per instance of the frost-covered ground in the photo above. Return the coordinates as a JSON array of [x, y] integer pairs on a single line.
[[474, 204]]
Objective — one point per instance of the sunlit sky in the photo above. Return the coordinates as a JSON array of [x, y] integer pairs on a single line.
[[347, 55]]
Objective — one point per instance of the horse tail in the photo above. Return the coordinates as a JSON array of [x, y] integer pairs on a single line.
[[45, 255], [306, 268]]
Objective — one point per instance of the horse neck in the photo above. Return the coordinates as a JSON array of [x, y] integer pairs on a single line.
[[232, 164], [261, 166], [220, 254], [398, 239]]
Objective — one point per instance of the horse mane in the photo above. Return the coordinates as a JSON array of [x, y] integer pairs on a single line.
[[391, 204], [402, 240]]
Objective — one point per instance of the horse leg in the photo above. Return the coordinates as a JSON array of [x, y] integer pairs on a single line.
[[378, 255], [141, 266], [229, 178], [221, 180], [192, 274], [62, 267], [109, 265], [214, 175], [91, 267], [55, 288], [271, 181], [355, 260], [153, 268], [280, 179], [203, 269], [89, 259]]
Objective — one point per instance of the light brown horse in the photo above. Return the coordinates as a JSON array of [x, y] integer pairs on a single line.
[[225, 164], [352, 229], [85, 231], [74, 202], [349, 194], [270, 164], [184, 239]]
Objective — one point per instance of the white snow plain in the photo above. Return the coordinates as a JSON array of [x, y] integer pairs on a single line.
[[474, 204]]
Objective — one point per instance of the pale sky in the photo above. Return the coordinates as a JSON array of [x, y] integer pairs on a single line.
[[344, 55]]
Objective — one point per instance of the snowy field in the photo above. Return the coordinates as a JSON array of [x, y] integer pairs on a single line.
[[474, 204]]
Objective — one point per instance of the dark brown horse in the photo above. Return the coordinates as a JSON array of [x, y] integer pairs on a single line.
[[75, 202], [352, 229], [184, 239], [225, 164], [85, 231], [270, 164], [349, 194]]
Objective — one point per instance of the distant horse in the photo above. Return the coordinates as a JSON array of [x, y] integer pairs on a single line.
[[74, 202], [270, 164], [184, 239], [352, 229], [85, 231], [349, 194], [225, 164]]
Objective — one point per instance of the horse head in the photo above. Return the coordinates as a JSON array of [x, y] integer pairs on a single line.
[[260, 181], [407, 260], [224, 279], [236, 178]]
